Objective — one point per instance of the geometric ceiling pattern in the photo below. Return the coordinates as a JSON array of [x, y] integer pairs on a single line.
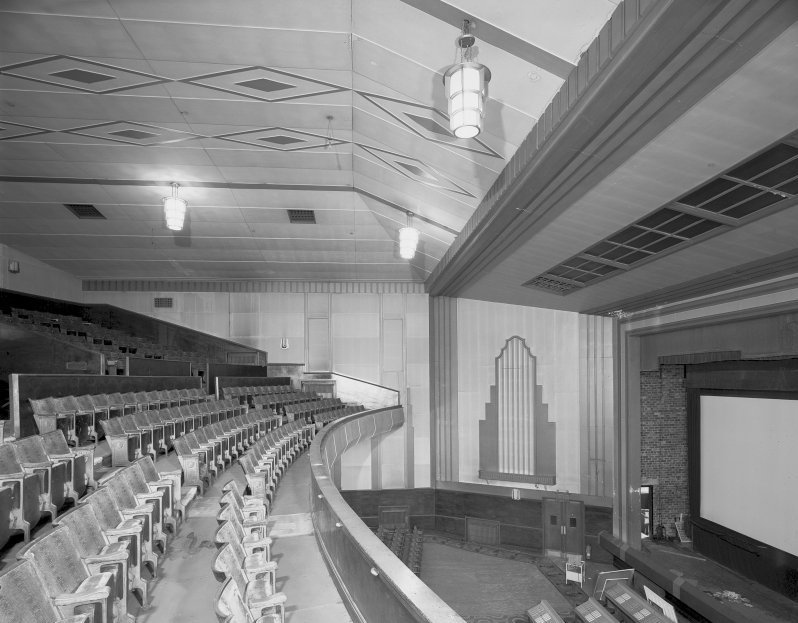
[[254, 111], [596, 173]]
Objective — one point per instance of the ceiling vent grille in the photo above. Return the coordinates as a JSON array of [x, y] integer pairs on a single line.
[[163, 302], [550, 283], [84, 210], [765, 180], [305, 217]]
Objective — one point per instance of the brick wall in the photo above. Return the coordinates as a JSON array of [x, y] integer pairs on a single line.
[[664, 441]]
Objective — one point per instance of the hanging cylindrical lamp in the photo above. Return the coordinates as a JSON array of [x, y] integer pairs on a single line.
[[174, 209], [466, 88], [408, 240]]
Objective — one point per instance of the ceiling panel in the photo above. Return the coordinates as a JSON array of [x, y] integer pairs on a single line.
[[336, 107]]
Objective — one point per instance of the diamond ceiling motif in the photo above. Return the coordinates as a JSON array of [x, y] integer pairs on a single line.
[[416, 170], [281, 139], [258, 82], [133, 133], [81, 74]]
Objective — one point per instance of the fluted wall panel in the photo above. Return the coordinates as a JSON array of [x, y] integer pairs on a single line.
[[444, 387]]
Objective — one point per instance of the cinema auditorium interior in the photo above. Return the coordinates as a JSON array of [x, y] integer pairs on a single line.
[[398, 311]]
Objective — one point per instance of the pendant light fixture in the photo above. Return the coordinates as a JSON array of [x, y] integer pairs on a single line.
[[174, 209], [466, 88], [408, 240]]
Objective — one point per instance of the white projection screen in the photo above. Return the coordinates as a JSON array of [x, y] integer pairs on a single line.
[[749, 467]]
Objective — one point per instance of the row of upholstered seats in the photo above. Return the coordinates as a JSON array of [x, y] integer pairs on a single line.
[[110, 544], [247, 392], [312, 409], [282, 402], [38, 476], [266, 461], [94, 336], [80, 417], [243, 562], [209, 449], [154, 431]]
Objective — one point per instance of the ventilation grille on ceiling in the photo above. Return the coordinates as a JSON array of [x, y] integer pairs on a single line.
[[724, 201], [163, 302], [83, 210], [302, 216]]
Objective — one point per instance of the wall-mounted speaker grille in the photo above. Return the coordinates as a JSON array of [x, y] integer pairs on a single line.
[[307, 217], [166, 302], [84, 210]]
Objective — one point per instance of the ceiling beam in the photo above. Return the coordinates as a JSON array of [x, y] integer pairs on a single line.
[[495, 36], [227, 186], [661, 67]]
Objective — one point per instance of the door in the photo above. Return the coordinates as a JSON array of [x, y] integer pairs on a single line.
[[563, 527]]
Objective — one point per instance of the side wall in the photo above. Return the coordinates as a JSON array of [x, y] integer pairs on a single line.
[[35, 277], [375, 332]]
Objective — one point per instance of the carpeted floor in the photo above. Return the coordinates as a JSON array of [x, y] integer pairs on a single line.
[[492, 585]]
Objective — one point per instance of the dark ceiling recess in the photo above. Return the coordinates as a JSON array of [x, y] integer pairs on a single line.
[[84, 210], [306, 217], [767, 180]]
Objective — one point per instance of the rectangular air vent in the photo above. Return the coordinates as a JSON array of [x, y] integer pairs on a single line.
[[84, 210], [307, 217], [551, 283], [162, 302]]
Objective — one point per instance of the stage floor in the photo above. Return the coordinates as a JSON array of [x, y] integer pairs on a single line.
[[764, 605]]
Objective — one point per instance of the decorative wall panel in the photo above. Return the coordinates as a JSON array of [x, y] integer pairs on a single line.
[[516, 440]]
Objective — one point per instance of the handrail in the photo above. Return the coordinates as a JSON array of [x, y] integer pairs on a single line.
[[374, 583]]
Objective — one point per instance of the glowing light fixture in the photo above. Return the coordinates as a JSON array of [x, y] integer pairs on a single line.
[[174, 209], [408, 240], [466, 88]]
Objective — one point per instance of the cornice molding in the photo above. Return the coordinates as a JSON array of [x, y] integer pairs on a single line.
[[252, 286]]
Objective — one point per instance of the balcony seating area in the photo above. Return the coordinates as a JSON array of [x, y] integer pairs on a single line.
[[406, 544], [106, 532], [115, 344]]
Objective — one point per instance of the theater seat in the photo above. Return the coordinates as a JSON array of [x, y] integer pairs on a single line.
[[67, 580], [29, 501], [24, 597]]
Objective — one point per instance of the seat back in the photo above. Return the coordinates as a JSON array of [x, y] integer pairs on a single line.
[[84, 525], [227, 564], [57, 560], [113, 427], [229, 531], [24, 597], [226, 533], [30, 451], [104, 507], [230, 606], [182, 446], [120, 491], [84, 403], [42, 406]]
